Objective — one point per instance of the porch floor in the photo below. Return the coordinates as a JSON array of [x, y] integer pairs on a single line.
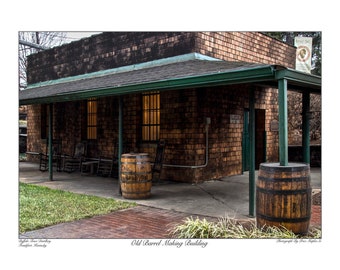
[[227, 197]]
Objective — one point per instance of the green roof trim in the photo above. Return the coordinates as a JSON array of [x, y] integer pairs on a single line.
[[299, 78]]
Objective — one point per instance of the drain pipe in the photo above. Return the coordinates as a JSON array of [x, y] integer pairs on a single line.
[[207, 121]]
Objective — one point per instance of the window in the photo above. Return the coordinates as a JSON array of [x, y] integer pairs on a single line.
[[150, 116], [91, 119]]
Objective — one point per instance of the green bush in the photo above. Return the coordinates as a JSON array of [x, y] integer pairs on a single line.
[[231, 228]]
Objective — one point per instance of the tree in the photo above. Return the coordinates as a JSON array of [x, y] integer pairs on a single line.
[[295, 118], [294, 99], [42, 39], [288, 37]]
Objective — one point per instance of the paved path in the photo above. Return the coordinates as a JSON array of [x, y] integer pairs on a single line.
[[137, 222]]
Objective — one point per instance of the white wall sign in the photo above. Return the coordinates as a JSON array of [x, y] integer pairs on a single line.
[[303, 53]]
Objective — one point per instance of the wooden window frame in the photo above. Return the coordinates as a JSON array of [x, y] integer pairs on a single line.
[[150, 128], [92, 119]]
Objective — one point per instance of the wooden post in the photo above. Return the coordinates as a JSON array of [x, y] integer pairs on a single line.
[[283, 122]]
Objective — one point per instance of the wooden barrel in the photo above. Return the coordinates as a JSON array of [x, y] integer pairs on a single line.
[[283, 196], [136, 177]]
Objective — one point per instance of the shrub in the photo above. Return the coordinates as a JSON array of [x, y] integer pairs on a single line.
[[231, 228]]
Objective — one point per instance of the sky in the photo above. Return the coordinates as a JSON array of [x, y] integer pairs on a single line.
[[72, 36]]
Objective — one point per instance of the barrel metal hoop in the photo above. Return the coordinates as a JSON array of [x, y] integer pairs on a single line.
[[284, 192], [136, 173], [135, 182], [276, 219], [274, 169], [136, 192], [291, 179], [136, 163]]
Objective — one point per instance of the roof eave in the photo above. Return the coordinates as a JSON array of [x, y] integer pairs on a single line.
[[300, 79]]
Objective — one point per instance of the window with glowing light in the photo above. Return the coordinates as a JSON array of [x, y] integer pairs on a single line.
[[92, 119], [150, 116]]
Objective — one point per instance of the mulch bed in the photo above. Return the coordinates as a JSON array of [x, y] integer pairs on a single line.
[[316, 198]]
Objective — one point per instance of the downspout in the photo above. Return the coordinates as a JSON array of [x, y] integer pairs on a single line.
[[252, 143], [207, 123]]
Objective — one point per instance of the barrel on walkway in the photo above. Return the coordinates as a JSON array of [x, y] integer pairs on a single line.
[[136, 177], [283, 196]]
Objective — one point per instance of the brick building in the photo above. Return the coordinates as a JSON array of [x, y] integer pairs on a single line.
[[200, 91]]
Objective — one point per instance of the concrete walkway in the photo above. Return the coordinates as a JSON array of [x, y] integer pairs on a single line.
[[227, 197]]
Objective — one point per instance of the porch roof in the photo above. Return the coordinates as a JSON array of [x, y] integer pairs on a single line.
[[192, 70]]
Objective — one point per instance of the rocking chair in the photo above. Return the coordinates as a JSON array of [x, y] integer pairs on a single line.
[[105, 166], [158, 164], [108, 166], [73, 163], [56, 156]]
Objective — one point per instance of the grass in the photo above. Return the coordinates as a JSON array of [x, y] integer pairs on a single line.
[[230, 228], [42, 206]]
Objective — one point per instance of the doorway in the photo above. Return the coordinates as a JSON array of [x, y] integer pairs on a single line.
[[260, 139]]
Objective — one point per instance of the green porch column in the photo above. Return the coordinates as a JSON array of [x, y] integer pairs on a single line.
[[50, 138], [120, 141], [305, 127], [283, 122], [252, 153]]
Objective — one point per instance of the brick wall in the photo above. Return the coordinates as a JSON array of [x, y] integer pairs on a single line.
[[33, 130], [115, 49], [67, 119], [250, 47], [106, 51], [184, 129], [268, 100]]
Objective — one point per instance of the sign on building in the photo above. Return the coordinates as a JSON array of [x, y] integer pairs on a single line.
[[303, 53]]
